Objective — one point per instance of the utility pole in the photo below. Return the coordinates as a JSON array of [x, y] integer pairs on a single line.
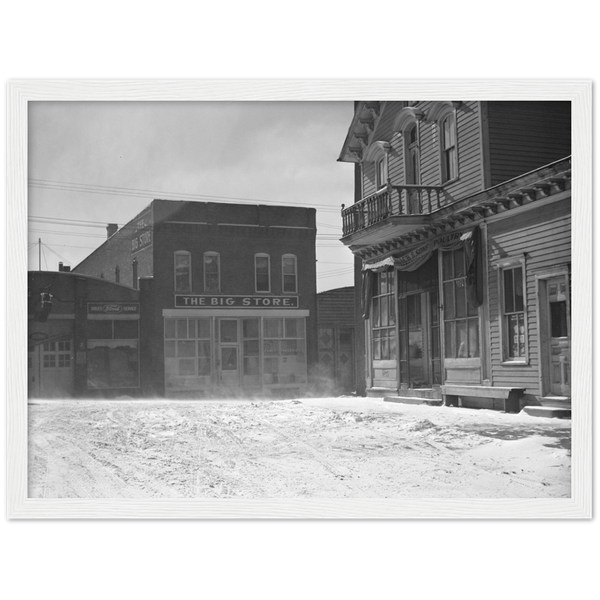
[[39, 254]]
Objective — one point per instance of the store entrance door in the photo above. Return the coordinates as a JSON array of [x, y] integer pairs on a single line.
[[229, 355], [419, 340], [230, 370], [555, 313]]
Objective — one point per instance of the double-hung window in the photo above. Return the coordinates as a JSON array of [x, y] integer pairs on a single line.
[[183, 271], [289, 274], [513, 311], [262, 272], [412, 155], [448, 149], [212, 272], [381, 172]]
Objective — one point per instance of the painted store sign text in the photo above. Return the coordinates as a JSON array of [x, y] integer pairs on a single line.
[[114, 308], [237, 301]]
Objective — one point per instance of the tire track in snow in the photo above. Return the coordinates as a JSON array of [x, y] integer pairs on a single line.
[[340, 473]]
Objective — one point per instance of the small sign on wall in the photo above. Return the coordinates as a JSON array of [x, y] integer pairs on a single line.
[[142, 234], [113, 308]]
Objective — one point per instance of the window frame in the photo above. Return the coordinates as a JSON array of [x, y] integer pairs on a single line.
[[216, 255], [412, 150], [295, 274], [268, 257], [381, 331], [175, 340], [502, 267], [177, 254], [450, 319], [381, 172], [446, 174]]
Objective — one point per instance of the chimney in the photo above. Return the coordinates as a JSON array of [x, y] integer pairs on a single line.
[[111, 229], [63, 268]]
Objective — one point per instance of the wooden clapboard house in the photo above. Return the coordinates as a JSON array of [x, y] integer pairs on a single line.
[[460, 229]]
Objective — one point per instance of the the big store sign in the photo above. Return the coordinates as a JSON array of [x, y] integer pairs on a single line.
[[236, 301]]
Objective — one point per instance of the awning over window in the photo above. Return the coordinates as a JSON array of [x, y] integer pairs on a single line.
[[417, 257]]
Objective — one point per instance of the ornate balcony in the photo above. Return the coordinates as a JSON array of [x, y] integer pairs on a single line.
[[412, 203]]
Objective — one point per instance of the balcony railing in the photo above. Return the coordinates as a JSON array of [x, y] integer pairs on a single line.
[[393, 201]]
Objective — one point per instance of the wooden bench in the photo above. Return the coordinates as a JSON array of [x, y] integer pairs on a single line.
[[510, 395]]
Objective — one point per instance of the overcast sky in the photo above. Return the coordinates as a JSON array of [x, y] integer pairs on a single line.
[[93, 163]]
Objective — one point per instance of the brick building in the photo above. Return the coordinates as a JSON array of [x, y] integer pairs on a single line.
[[228, 296]]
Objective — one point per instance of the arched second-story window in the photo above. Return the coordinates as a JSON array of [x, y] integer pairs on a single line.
[[448, 148], [183, 271], [262, 272], [212, 272], [289, 273], [377, 154], [407, 123], [444, 115], [412, 154]]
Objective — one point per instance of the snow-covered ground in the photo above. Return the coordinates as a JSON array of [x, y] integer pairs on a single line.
[[320, 447]]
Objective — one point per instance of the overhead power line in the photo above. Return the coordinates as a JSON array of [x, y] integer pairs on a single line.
[[143, 193]]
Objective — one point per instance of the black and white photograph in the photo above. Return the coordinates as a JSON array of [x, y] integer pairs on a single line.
[[299, 299]]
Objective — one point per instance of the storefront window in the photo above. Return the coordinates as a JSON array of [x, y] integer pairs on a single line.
[[384, 318], [188, 351], [112, 354], [284, 349], [461, 321]]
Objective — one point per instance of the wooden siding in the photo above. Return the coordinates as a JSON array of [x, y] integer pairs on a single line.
[[469, 151], [336, 307], [544, 235], [526, 135]]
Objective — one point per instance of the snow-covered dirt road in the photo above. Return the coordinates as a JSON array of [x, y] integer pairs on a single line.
[[320, 448]]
